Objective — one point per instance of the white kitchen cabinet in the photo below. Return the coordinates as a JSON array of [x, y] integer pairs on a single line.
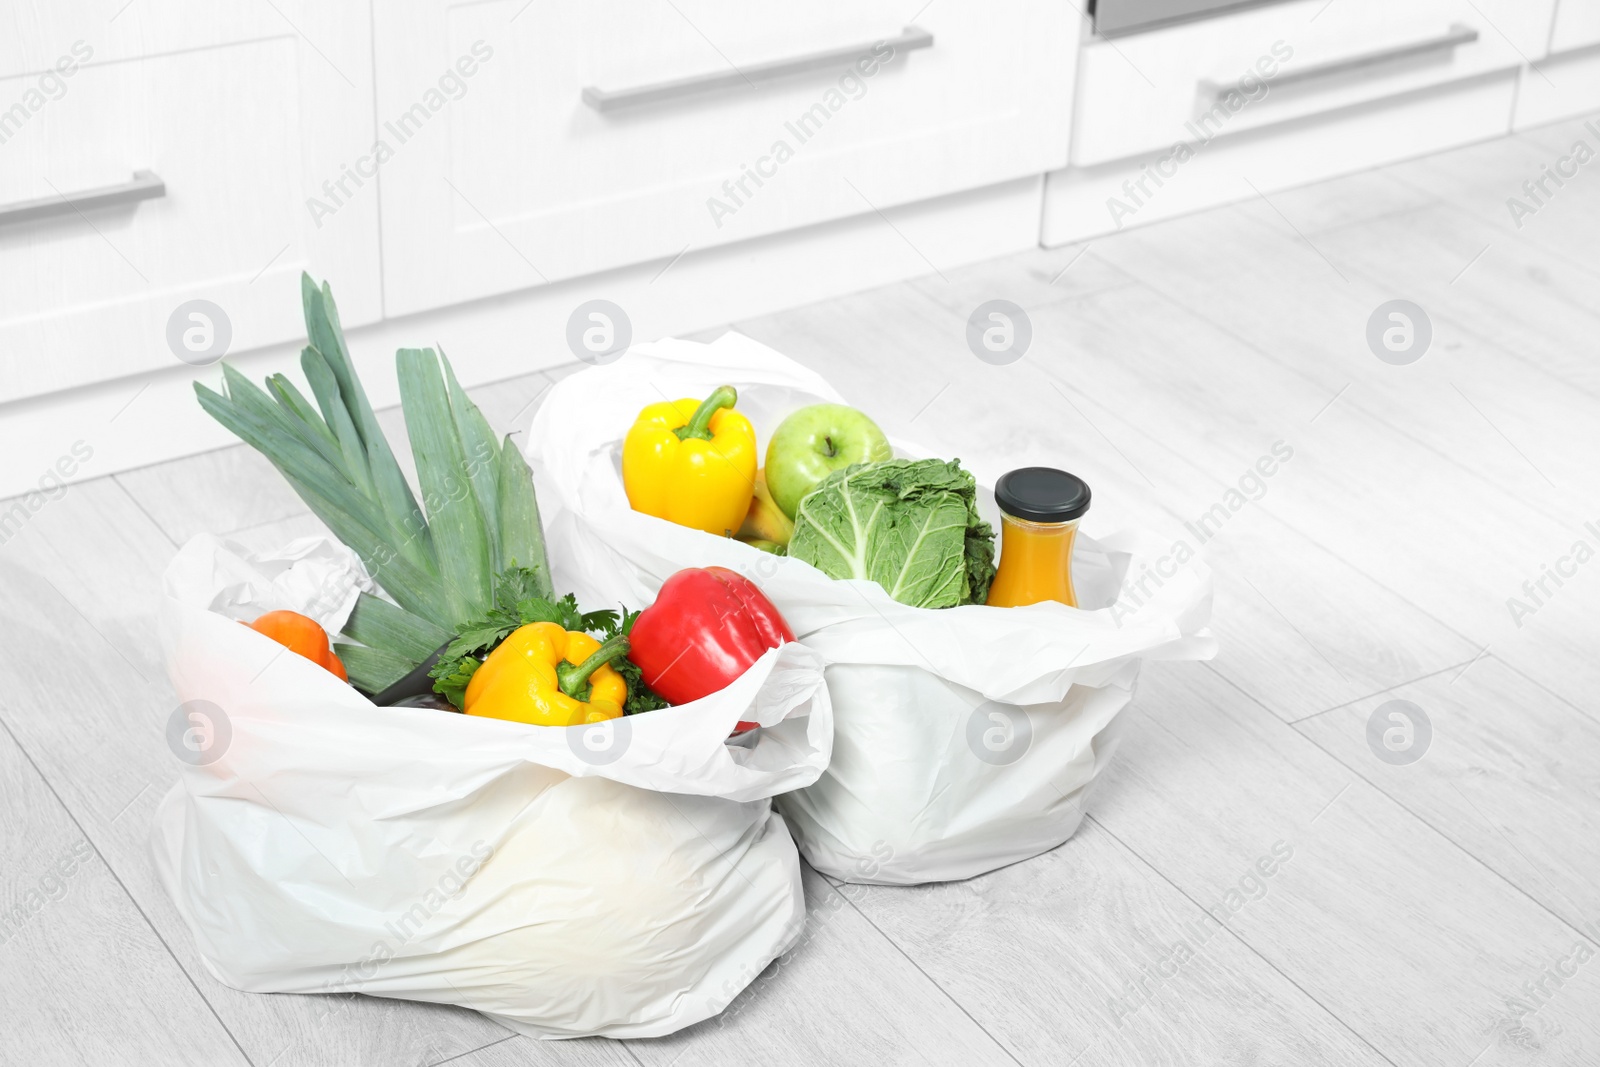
[[1081, 203], [1577, 25], [1190, 116], [498, 175], [1273, 64], [1567, 83], [34, 33], [230, 120]]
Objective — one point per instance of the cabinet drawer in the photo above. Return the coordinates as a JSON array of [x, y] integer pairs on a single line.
[[506, 177], [1224, 75], [238, 136], [35, 33]]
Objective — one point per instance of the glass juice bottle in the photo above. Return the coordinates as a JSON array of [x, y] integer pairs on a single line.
[[1040, 508]]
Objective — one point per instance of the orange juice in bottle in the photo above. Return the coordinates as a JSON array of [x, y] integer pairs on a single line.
[[1040, 508]]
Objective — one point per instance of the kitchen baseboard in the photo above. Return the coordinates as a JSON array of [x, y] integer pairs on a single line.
[[132, 422], [1081, 203]]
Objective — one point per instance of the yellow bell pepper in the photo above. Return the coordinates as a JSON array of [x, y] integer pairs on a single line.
[[692, 463], [548, 676]]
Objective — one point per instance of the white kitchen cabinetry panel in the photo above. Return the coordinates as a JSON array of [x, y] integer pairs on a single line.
[[1577, 25], [1266, 65], [1085, 202], [234, 134], [497, 175]]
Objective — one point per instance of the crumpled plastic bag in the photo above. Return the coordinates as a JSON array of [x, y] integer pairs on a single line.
[[623, 879], [966, 738]]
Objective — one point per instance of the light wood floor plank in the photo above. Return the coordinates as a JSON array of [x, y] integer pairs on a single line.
[[844, 994], [1520, 414], [1086, 955], [212, 491], [1388, 925], [519, 1051], [1218, 402], [1509, 774], [1345, 201], [1558, 218], [1520, 297], [1244, 276], [1027, 279], [1302, 631], [83, 977]]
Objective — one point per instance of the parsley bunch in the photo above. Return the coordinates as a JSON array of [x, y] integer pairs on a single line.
[[517, 603]]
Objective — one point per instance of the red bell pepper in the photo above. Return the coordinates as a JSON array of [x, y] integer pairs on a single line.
[[706, 628]]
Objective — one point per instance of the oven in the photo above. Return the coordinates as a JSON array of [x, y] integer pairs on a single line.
[[1114, 18]]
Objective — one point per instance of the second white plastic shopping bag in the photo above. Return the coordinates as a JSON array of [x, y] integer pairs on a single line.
[[966, 738]]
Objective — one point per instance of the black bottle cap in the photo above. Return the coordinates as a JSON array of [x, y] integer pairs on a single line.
[[1042, 494]]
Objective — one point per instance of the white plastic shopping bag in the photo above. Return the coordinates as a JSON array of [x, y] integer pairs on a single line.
[[623, 879], [966, 738]]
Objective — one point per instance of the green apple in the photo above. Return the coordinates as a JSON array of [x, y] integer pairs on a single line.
[[814, 442]]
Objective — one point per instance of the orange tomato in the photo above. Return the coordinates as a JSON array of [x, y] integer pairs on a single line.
[[301, 635]]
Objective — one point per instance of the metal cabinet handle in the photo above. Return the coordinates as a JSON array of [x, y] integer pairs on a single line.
[[1455, 37], [143, 186], [603, 100]]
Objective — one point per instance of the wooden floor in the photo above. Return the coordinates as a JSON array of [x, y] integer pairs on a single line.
[[1428, 914]]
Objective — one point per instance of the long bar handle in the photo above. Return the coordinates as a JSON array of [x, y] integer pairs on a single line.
[[1455, 37], [142, 186], [603, 100]]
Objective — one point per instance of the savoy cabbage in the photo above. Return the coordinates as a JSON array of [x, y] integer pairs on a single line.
[[912, 526]]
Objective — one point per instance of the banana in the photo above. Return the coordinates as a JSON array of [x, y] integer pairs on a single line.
[[765, 520], [768, 546]]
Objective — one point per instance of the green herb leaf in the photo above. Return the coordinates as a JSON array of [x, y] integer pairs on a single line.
[[605, 621], [515, 585], [482, 635], [515, 608], [641, 697], [451, 679]]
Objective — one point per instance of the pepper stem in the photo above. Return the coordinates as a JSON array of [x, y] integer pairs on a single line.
[[574, 678], [699, 424]]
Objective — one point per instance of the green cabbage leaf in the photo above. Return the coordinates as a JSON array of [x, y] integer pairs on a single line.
[[912, 526]]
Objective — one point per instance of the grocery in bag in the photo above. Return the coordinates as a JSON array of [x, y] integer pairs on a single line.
[[410, 769], [966, 736], [625, 885]]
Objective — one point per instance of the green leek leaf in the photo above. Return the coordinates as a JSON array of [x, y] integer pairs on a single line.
[[482, 457], [382, 625], [371, 669], [454, 517], [521, 531]]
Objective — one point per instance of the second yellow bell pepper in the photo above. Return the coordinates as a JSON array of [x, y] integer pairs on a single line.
[[692, 463], [547, 676]]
